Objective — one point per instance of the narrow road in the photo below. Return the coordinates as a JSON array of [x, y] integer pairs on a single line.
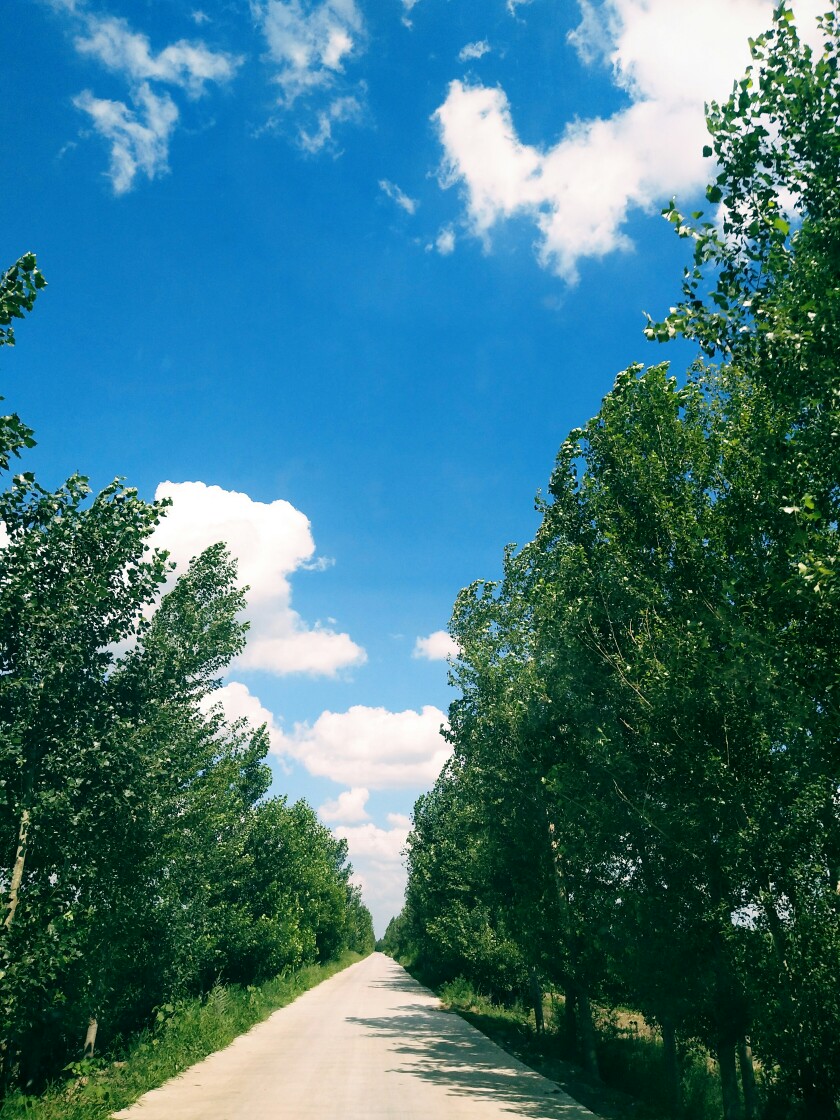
[[367, 1044]]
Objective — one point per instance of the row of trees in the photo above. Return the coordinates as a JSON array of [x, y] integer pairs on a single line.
[[642, 804], [144, 861]]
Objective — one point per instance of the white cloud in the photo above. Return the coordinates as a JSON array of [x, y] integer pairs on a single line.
[[513, 5], [669, 56], [199, 17], [436, 647], [238, 703], [445, 241], [310, 46], [270, 541], [398, 196], [139, 129], [348, 807], [339, 109], [371, 747], [188, 65], [474, 50], [139, 137], [376, 855]]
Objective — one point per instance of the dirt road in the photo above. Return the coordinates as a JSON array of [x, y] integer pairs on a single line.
[[367, 1044]]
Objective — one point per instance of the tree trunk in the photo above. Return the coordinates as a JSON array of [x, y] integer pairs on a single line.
[[728, 1080], [745, 1061], [587, 1034], [673, 1083], [586, 1030], [570, 1022], [537, 1000], [17, 870], [90, 1038]]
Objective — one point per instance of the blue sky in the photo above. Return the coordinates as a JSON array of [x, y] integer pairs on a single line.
[[353, 270]]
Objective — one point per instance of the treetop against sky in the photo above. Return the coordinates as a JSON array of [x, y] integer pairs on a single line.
[[338, 277]]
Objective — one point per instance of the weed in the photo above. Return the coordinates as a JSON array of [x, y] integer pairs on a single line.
[[181, 1035]]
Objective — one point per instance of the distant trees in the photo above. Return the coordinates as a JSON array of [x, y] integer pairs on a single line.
[[643, 797], [143, 861]]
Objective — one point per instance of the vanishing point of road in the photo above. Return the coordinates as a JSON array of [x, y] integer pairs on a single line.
[[367, 1044]]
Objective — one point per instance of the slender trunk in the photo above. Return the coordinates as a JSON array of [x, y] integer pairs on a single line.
[[745, 1061], [587, 1034], [536, 1000], [585, 1026], [570, 1021], [17, 870], [728, 1080], [90, 1038], [673, 1084]]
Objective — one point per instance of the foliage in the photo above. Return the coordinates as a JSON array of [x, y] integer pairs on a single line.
[[179, 1035], [144, 863], [642, 801]]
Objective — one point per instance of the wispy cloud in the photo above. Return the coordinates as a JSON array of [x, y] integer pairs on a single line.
[[139, 129], [398, 196], [184, 64], [321, 137], [138, 137], [310, 46], [474, 50]]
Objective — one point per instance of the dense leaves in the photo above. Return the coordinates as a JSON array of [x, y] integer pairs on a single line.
[[642, 805], [143, 860]]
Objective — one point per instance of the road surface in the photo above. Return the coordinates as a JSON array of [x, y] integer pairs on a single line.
[[367, 1044]]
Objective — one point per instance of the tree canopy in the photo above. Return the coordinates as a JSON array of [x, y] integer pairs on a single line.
[[642, 802]]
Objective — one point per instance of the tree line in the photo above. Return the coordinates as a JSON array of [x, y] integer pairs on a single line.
[[143, 860], [642, 803]]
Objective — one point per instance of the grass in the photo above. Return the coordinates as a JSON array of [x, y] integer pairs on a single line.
[[182, 1035], [629, 1057]]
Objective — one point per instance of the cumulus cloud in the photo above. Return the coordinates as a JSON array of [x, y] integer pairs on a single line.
[[474, 50], [371, 747], [436, 647], [348, 807], [138, 137], [238, 703], [669, 56], [398, 196], [189, 65], [270, 541], [376, 855], [310, 45]]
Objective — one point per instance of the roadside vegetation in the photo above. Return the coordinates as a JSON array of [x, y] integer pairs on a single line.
[[641, 809], [180, 1035], [150, 886]]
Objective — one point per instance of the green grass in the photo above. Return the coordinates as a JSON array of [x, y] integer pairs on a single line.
[[629, 1058], [183, 1034]]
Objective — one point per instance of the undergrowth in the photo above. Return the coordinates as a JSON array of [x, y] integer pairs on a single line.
[[630, 1057], [182, 1034]]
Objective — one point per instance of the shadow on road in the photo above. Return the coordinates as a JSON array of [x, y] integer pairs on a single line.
[[440, 1047], [398, 984]]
